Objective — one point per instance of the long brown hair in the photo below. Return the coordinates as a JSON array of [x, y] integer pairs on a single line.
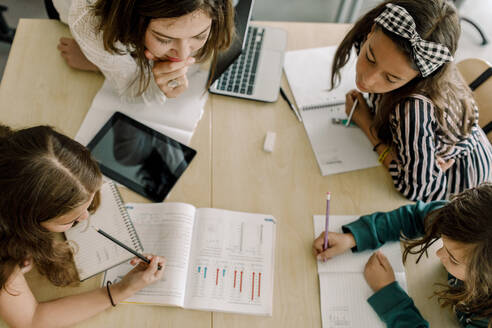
[[43, 174], [467, 218], [435, 21], [125, 21]]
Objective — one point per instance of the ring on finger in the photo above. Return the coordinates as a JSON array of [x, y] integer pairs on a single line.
[[173, 83]]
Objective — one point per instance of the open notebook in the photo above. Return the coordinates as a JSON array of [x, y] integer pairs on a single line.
[[343, 289], [217, 260], [337, 148], [93, 253]]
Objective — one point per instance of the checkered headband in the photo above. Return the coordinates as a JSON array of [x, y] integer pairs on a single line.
[[428, 55]]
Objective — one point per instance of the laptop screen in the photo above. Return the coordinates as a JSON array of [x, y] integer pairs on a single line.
[[226, 58]]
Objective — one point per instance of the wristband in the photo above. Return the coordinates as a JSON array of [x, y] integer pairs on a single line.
[[377, 145], [384, 154], [109, 293]]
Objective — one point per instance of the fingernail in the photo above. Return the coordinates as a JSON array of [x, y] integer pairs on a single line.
[[191, 60]]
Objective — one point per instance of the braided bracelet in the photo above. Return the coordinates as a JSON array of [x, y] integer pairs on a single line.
[[109, 293], [384, 154]]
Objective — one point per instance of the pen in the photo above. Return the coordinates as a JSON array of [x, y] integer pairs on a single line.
[[352, 112], [325, 244], [282, 93], [119, 243]]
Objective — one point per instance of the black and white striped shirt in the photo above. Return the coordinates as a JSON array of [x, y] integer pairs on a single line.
[[419, 140]]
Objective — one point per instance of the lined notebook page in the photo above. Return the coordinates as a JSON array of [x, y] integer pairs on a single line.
[[94, 253], [343, 290]]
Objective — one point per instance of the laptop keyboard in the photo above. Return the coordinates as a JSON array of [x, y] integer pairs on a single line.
[[240, 76]]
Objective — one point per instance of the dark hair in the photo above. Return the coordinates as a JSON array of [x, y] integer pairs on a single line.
[[466, 219], [126, 21], [43, 174], [435, 21]]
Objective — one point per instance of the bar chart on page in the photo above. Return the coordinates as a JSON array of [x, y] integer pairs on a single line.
[[231, 261], [233, 282]]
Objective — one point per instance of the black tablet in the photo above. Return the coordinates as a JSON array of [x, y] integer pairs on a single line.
[[144, 160]]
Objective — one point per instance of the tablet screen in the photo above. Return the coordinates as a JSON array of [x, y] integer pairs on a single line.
[[139, 157]]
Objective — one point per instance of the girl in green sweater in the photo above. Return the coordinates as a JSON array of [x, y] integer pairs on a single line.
[[465, 226]]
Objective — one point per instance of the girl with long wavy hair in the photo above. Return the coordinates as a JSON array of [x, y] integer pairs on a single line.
[[48, 183], [419, 114], [463, 224], [145, 47]]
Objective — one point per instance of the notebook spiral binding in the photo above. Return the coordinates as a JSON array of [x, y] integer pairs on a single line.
[[126, 218], [325, 105]]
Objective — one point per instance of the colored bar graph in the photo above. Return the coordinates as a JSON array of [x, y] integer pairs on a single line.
[[241, 283], [259, 283], [199, 269], [253, 287], [223, 273], [235, 273], [217, 277], [205, 273]]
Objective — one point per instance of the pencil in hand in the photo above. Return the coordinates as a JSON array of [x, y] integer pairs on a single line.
[[119, 243]]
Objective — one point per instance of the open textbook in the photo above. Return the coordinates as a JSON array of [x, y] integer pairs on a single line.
[[343, 289], [94, 253], [217, 260], [337, 148], [177, 118]]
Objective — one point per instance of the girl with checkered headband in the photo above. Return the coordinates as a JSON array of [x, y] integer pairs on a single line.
[[417, 111]]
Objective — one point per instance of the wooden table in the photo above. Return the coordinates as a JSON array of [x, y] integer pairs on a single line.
[[231, 171]]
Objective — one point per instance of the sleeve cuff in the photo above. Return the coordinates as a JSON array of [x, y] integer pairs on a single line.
[[387, 298], [362, 235]]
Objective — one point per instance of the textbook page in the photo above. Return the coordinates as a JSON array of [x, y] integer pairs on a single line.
[[94, 253], [337, 148], [176, 118], [343, 288], [165, 229], [232, 262]]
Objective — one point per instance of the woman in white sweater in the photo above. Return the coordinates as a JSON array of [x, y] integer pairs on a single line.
[[144, 48]]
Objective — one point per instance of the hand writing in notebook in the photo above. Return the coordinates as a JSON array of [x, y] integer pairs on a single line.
[[338, 243], [144, 274]]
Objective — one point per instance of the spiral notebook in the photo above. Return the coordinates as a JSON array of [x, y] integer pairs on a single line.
[[336, 147], [94, 253]]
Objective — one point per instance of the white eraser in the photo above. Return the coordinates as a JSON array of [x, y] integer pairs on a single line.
[[269, 142]]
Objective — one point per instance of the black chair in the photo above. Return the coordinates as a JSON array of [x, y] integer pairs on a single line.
[[51, 10], [458, 3], [6, 33]]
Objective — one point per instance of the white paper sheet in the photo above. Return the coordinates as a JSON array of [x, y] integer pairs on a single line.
[[336, 147], [177, 118], [343, 288]]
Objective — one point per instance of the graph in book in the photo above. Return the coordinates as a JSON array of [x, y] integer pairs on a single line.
[[246, 239], [242, 239], [238, 283]]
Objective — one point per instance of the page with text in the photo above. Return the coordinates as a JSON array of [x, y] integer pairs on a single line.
[[165, 229], [232, 262]]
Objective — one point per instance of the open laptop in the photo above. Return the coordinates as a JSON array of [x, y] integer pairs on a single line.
[[252, 67]]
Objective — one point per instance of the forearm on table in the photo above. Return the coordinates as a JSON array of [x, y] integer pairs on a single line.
[[381, 146], [70, 310]]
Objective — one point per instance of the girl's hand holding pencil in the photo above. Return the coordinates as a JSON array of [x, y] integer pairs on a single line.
[[144, 274], [361, 115], [338, 243]]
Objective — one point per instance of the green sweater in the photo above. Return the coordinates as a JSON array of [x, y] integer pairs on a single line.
[[392, 303]]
